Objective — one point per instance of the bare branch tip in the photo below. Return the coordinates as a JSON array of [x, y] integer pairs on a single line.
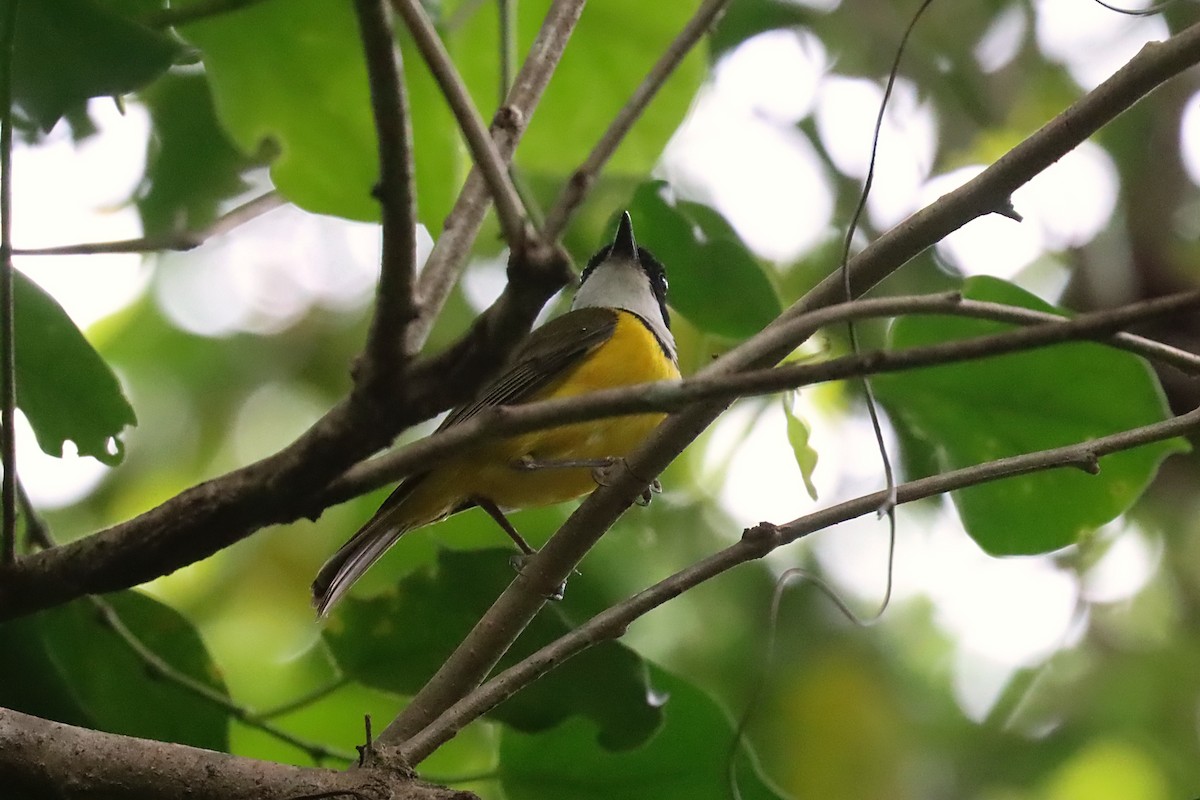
[[762, 534], [1089, 463], [1006, 209]]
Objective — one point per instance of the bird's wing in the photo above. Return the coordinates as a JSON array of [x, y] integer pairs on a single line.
[[545, 356]]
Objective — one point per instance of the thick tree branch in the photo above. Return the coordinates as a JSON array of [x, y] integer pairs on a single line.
[[179, 241], [990, 190], [42, 759], [756, 542], [395, 305], [484, 152], [580, 183]]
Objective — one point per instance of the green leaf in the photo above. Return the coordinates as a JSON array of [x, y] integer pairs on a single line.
[[67, 51], [81, 662], [191, 165], [388, 643], [288, 76], [1004, 406], [614, 45], [701, 251], [65, 388], [686, 760], [798, 435]]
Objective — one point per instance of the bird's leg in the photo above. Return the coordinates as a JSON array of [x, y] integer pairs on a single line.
[[518, 560], [496, 514]]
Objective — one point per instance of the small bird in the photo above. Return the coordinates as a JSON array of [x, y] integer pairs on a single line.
[[616, 333]]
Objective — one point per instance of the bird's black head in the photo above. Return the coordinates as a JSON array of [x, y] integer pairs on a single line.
[[624, 250]]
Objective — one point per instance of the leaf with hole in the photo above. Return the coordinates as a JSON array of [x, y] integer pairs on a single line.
[[64, 387]]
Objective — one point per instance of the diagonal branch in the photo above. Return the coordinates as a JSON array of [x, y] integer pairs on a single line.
[[180, 241], [756, 542], [461, 227], [498, 629], [395, 305], [584, 177], [486, 155]]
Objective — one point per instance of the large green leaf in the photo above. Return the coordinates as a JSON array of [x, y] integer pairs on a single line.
[[390, 643], [65, 388], [288, 77], [686, 760], [67, 51], [715, 282], [1008, 405], [613, 47], [68, 664]]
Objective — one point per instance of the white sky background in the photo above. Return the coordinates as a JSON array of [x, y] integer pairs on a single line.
[[739, 151]]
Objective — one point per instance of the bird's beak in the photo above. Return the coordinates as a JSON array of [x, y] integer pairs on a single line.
[[623, 245]]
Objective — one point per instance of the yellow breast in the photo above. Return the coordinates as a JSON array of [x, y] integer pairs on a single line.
[[631, 355]]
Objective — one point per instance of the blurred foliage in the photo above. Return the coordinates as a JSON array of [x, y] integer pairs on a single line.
[[1108, 712]]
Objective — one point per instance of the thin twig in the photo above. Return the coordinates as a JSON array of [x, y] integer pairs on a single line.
[[483, 149], [495, 632], [580, 183], [756, 542], [449, 255], [395, 304], [179, 241], [201, 9], [508, 46], [666, 396], [159, 667], [8, 376], [304, 700]]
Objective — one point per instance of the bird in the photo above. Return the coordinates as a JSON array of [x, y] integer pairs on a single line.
[[616, 333]]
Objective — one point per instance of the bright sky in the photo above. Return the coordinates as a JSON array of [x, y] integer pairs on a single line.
[[738, 150]]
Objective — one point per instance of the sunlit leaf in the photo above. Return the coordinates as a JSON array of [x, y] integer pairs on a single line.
[[389, 643], [686, 760], [67, 391], [798, 437], [1004, 406]]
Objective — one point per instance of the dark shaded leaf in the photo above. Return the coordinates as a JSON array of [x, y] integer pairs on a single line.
[[389, 643], [686, 760], [85, 669], [67, 51], [191, 166]]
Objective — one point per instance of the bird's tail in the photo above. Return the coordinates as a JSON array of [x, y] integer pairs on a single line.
[[351, 560], [364, 548]]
